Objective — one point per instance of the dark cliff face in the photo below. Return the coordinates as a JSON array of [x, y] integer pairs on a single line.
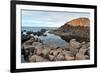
[[76, 28]]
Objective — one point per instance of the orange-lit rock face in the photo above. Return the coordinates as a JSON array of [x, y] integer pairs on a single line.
[[79, 22]]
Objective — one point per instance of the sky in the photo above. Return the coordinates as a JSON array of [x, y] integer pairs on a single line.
[[33, 18]]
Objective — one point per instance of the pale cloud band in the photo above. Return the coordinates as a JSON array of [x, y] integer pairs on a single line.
[[36, 18]]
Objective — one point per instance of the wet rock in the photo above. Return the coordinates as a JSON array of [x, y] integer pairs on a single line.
[[43, 30]]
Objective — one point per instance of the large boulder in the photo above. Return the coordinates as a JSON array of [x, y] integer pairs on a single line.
[[54, 52], [38, 45], [60, 50], [80, 56], [36, 58], [51, 57], [74, 46], [59, 57], [68, 55], [45, 52], [82, 50]]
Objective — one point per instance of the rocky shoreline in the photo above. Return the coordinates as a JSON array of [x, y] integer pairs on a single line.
[[67, 33], [34, 50], [75, 32], [77, 28]]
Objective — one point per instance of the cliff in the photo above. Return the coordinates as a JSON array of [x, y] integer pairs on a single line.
[[78, 29]]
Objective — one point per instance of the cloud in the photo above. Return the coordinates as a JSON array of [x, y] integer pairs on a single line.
[[48, 18]]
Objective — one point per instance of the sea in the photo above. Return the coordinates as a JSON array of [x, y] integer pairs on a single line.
[[49, 39]]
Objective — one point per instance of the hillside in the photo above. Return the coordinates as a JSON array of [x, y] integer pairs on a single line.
[[76, 28]]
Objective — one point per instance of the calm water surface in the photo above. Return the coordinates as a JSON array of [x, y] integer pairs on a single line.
[[51, 39]]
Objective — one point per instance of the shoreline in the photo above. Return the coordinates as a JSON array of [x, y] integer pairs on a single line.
[[34, 50]]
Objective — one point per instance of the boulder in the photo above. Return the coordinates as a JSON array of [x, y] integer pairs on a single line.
[[45, 52], [40, 59], [80, 56], [36, 58], [64, 52], [54, 52], [74, 46], [38, 45], [82, 50], [59, 57], [68, 57], [51, 57], [59, 50], [38, 51]]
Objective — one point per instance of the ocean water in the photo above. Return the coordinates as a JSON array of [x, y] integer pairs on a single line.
[[50, 39], [35, 29]]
